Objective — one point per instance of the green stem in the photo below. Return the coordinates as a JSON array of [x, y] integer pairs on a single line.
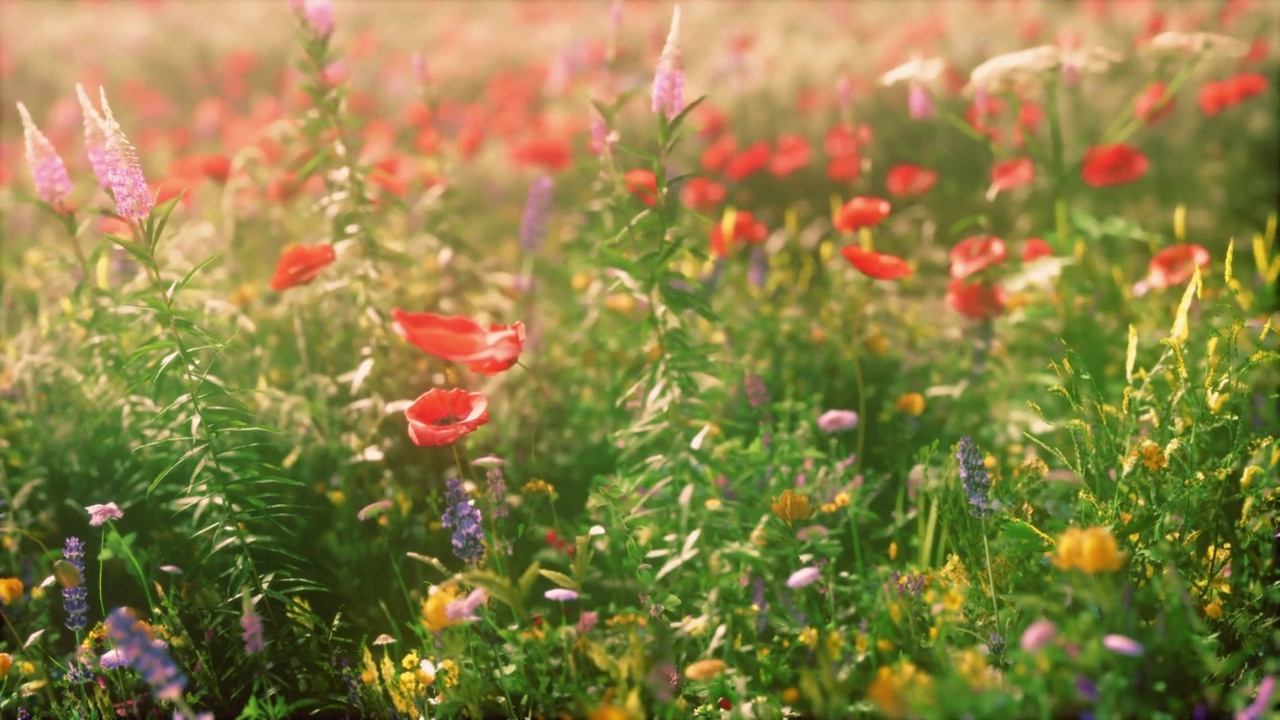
[[142, 577], [860, 384], [986, 550]]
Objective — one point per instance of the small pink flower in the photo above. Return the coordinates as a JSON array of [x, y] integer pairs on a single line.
[[560, 595], [99, 514], [1122, 645], [373, 509], [802, 577], [463, 609], [1037, 635], [587, 621], [834, 421]]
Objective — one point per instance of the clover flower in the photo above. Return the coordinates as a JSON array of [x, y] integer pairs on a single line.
[[53, 185], [973, 475], [139, 650], [463, 518], [668, 79]]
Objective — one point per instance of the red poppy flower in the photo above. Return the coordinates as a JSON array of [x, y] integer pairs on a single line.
[[976, 254], [1009, 174], [745, 229], [861, 212], [439, 417], [462, 340], [552, 154], [845, 169], [1175, 265], [1034, 249], [643, 185], [1145, 106], [301, 264], [1107, 165], [976, 300], [748, 162], [792, 154], [717, 154], [841, 141], [876, 265], [702, 194], [711, 120], [216, 167], [904, 180], [1218, 96]]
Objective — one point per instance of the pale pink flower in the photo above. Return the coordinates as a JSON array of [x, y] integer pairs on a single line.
[[99, 514], [95, 140], [668, 80], [834, 421], [560, 594], [802, 577], [1037, 635], [463, 609], [50, 174], [133, 198], [1122, 645]]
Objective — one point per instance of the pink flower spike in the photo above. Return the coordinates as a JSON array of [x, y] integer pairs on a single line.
[[95, 141], [318, 15], [99, 514], [668, 79], [52, 182], [133, 198], [463, 609], [1122, 645], [803, 576]]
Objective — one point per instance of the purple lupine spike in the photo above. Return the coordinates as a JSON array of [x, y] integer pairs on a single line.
[[668, 79], [973, 475], [133, 199], [463, 518], [50, 174], [95, 140], [533, 226], [75, 600]]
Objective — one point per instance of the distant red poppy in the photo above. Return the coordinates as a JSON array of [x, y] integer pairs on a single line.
[[216, 167], [711, 120], [462, 340], [642, 184], [792, 154], [549, 153], [1218, 96], [847, 168], [301, 264], [748, 162], [905, 180], [702, 194], [717, 154], [1034, 249], [1145, 107], [745, 229], [1176, 264], [876, 265], [861, 212], [1257, 52], [840, 141], [1107, 165], [976, 254], [976, 300], [1009, 174], [440, 417]]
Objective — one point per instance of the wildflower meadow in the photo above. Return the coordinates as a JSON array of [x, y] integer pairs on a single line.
[[624, 359]]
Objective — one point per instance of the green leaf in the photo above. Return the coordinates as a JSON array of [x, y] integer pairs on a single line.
[[560, 579]]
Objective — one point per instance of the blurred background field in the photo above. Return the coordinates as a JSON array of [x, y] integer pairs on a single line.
[[656, 417]]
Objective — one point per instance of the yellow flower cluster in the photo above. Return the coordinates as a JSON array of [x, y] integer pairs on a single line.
[[791, 506], [1153, 458], [434, 615], [896, 689], [534, 487], [1092, 550]]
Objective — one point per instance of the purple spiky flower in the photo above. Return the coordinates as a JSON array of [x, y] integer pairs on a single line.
[[668, 80], [133, 199], [50, 174]]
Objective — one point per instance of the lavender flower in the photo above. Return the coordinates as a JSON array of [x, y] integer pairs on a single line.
[[464, 519], [533, 226], [52, 182], [133, 199], [251, 624], [140, 651], [668, 79], [75, 600], [95, 140], [973, 475]]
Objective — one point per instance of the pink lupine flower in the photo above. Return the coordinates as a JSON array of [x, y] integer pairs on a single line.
[[52, 182], [133, 199], [95, 140], [318, 14], [668, 80]]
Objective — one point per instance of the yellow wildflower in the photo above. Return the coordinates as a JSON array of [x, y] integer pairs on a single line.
[[434, 615], [884, 645], [534, 487], [791, 695], [809, 637], [410, 660], [6, 662], [10, 590], [609, 712], [791, 506], [1091, 551], [704, 669], [448, 669], [910, 404], [1152, 456], [895, 686], [842, 500]]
